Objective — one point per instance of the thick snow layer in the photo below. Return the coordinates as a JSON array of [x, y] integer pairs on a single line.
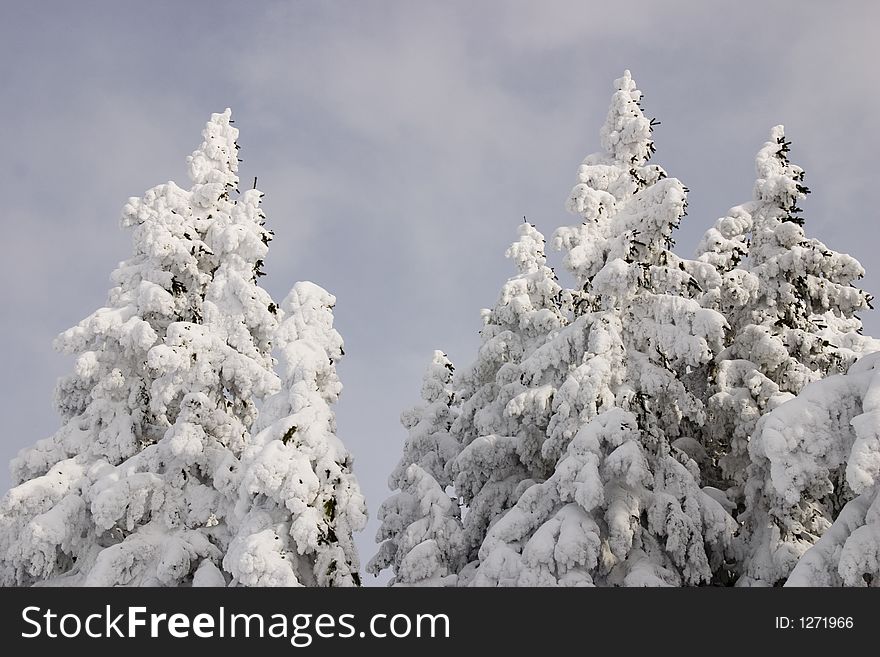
[[812, 456]]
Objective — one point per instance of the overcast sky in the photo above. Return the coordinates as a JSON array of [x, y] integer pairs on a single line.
[[399, 144]]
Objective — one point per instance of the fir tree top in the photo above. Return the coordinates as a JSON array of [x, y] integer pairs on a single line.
[[626, 134], [215, 161]]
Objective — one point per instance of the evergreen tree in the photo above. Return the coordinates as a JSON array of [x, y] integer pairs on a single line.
[[622, 504], [791, 306], [133, 489], [421, 536], [503, 418], [738, 393], [819, 457], [299, 502], [806, 297]]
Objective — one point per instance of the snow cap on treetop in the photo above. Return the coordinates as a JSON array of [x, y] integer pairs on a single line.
[[626, 135], [777, 132], [777, 177], [308, 296], [528, 251], [308, 320], [307, 313], [216, 159], [437, 378]]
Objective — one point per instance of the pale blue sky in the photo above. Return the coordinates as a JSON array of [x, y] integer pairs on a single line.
[[399, 145]]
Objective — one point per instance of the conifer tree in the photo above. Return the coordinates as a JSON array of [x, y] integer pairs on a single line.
[[622, 504], [818, 457], [791, 304], [421, 536], [299, 501], [134, 487], [503, 418]]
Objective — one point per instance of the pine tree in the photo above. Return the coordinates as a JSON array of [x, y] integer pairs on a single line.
[[299, 501], [502, 422], [623, 504], [133, 489], [819, 455], [806, 297], [738, 393], [421, 536], [430, 445], [791, 306]]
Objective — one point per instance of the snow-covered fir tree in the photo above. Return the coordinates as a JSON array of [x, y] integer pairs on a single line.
[[140, 484], [820, 457], [623, 505], [130, 490], [47, 524], [500, 428], [790, 302], [422, 540], [299, 502], [847, 553]]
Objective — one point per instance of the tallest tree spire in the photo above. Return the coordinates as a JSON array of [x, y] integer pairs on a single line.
[[618, 500], [627, 133], [610, 178], [215, 161]]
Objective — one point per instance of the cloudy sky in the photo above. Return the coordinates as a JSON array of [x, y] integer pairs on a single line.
[[399, 144]]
